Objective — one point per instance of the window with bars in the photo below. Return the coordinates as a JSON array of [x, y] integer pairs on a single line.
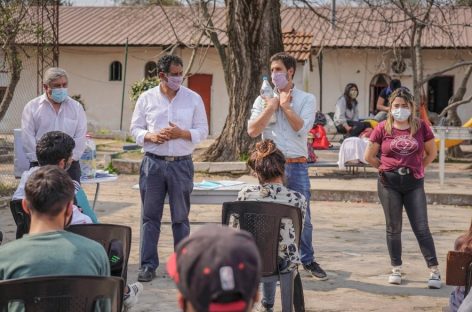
[[150, 69], [115, 71]]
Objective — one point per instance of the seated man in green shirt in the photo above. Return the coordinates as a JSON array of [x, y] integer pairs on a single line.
[[48, 249]]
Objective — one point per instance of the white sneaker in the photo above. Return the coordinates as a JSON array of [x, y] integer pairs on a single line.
[[396, 276], [131, 298], [434, 281]]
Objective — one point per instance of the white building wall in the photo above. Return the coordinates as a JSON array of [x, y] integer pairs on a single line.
[[88, 76]]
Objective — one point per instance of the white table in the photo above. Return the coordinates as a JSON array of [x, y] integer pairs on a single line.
[[105, 179], [211, 196], [445, 133]]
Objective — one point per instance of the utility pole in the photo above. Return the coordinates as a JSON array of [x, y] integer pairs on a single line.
[[333, 14]]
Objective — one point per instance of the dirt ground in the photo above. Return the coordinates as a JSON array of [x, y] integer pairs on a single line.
[[349, 240]]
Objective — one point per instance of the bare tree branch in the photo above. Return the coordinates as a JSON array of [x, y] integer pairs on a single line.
[[444, 70], [454, 105]]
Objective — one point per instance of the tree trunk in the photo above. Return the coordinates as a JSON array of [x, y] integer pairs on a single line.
[[453, 118], [254, 34], [14, 68]]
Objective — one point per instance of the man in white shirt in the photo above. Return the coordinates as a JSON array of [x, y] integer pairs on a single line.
[[54, 111], [168, 121], [295, 114]]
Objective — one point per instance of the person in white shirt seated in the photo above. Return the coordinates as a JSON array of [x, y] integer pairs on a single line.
[[54, 111], [54, 148]]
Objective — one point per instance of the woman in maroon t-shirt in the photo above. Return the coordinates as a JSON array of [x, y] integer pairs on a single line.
[[406, 146]]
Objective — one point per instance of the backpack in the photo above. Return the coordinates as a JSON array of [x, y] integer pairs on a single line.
[[320, 140], [311, 153], [115, 256], [320, 119]]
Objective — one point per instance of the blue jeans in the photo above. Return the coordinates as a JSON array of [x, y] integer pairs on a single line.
[[268, 294], [296, 175], [157, 179]]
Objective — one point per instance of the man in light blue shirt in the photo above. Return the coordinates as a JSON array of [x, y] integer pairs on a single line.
[[295, 113], [168, 121]]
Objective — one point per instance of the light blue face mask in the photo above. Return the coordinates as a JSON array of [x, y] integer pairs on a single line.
[[59, 95]]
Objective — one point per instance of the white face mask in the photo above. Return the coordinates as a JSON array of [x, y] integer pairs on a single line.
[[401, 114]]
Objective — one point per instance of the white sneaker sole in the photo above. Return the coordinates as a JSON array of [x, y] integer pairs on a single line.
[[395, 280], [434, 284]]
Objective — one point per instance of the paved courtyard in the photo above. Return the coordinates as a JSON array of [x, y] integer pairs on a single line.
[[349, 241]]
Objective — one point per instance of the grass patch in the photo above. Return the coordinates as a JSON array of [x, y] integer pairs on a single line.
[[7, 188]]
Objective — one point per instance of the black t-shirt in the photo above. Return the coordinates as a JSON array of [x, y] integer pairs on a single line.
[[385, 93]]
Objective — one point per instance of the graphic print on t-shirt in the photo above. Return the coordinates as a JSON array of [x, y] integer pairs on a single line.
[[404, 145]]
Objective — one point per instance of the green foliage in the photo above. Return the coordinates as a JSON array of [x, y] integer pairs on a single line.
[[130, 139], [244, 156], [142, 85], [110, 168], [7, 189], [79, 99]]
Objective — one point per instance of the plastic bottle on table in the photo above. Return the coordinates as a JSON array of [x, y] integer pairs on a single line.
[[267, 92], [88, 160]]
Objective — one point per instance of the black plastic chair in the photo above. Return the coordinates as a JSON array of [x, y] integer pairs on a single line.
[[22, 219], [262, 220], [105, 234], [62, 293], [468, 280]]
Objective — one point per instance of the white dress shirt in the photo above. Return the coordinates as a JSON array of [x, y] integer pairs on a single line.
[[290, 142], [154, 111], [40, 117]]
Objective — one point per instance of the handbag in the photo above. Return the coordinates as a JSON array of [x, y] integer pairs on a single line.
[[457, 268]]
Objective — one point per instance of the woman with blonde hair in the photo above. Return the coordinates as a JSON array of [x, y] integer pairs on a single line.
[[268, 164], [406, 146]]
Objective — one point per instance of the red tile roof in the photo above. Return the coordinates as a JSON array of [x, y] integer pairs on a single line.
[[355, 28]]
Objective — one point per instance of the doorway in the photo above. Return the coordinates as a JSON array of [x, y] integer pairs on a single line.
[[201, 83], [377, 84], [440, 90]]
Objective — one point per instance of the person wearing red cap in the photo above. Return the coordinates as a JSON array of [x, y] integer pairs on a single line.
[[216, 269]]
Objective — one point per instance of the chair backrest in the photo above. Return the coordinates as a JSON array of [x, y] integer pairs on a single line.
[[262, 220], [468, 280], [22, 219], [105, 234], [63, 293]]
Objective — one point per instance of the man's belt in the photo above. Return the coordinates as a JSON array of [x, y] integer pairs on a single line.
[[169, 158], [297, 160]]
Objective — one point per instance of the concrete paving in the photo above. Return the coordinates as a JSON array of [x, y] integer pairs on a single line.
[[349, 240]]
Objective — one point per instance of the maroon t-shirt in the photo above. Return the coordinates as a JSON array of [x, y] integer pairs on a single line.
[[401, 150]]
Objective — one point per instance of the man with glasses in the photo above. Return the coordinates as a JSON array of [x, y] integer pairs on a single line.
[[168, 121], [54, 111]]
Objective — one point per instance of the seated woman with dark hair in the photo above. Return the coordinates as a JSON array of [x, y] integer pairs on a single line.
[[346, 118], [268, 164]]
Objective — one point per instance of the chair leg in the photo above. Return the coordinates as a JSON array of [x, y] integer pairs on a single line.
[[298, 297], [286, 290]]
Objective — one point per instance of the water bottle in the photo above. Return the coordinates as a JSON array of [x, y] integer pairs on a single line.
[[267, 92], [88, 160]]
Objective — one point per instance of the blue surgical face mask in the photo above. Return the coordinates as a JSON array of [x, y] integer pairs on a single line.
[[59, 95]]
